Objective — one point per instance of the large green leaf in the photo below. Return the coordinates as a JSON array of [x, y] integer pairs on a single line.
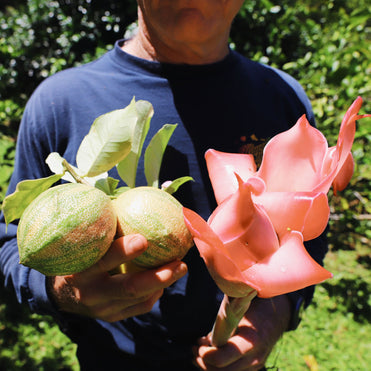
[[26, 191], [108, 141], [155, 152], [127, 168]]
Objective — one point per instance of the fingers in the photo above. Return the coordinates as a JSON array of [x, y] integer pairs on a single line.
[[226, 358], [121, 309], [140, 284], [242, 352], [122, 250], [116, 297], [256, 335], [97, 293]]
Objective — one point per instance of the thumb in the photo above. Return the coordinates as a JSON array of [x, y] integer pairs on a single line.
[[122, 250]]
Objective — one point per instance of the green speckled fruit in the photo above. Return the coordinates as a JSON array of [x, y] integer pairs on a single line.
[[158, 216], [66, 229]]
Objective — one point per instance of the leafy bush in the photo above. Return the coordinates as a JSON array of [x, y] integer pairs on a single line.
[[39, 38], [29, 341], [325, 45]]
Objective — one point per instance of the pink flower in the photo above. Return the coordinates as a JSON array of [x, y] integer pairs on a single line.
[[254, 238], [297, 160], [242, 251], [303, 211]]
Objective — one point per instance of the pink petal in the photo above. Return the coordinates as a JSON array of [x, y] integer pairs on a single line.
[[221, 267], [344, 175], [244, 227], [222, 166], [329, 170], [292, 160], [347, 131], [306, 212], [337, 156], [289, 269], [348, 128], [198, 228]]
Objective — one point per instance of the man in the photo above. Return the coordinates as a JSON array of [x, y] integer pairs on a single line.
[[180, 61]]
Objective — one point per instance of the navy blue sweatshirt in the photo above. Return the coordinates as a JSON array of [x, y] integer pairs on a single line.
[[234, 105]]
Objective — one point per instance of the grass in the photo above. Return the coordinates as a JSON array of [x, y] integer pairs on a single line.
[[31, 342], [335, 333]]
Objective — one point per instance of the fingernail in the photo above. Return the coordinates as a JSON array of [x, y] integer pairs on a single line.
[[137, 242], [180, 270]]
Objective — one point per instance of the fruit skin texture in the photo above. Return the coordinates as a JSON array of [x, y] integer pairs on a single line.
[[66, 229], [158, 216]]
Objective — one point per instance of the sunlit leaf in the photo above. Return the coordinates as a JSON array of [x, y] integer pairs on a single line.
[[108, 141], [127, 168], [57, 164], [120, 190], [311, 362], [107, 185], [175, 184], [154, 154], [26, 191]]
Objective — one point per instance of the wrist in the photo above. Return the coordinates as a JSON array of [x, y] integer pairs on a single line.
[[274, 314], [49, 283], [60, 293], [280, 311]]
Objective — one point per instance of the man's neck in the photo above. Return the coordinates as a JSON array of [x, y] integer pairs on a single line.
[[147, 46]]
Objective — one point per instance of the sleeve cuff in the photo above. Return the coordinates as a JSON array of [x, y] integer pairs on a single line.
[[39, 300], [299, 301], [297, 307]]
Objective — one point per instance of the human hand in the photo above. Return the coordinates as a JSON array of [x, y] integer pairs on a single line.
[[255, 337], [98, 294]]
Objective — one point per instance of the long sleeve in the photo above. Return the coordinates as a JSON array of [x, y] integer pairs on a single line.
[[28, 284]]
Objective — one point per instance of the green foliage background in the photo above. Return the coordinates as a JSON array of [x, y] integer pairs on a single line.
[[325, 45]]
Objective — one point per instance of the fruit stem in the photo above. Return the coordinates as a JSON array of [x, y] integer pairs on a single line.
[[75, 176]]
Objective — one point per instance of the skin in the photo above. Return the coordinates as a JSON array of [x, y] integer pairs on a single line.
[[179, 32], [183, 31], [98, 294], [255, 337]]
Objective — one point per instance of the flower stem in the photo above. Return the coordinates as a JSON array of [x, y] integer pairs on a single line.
[[229, 316], [73, 173]]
